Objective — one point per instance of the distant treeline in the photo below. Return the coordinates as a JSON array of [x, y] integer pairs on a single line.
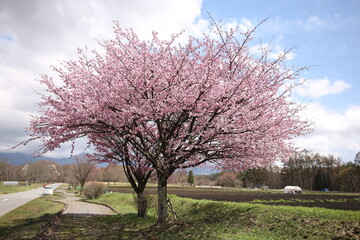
[[47, 171], [310, 171]]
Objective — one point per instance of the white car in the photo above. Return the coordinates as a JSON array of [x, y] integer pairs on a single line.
[[48, 190], [293, 190]]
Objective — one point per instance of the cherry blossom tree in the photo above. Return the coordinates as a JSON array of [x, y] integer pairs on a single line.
[[179, 105]]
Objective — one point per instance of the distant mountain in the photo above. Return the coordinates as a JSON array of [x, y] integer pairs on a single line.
[[21, 158], [203, 171]]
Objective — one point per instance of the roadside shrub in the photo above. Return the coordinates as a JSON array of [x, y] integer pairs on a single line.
[[93, 190]]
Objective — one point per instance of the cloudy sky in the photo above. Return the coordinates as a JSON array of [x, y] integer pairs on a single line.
[[35, 34]]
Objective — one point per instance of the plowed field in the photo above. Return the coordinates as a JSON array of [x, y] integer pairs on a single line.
[[325, 200]]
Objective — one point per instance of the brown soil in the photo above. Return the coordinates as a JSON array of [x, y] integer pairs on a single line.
[[325, 200]]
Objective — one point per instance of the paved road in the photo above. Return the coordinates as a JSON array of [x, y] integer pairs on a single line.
[[9, 202]]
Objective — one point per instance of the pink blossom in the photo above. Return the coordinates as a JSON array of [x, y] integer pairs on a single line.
[[177, 105]]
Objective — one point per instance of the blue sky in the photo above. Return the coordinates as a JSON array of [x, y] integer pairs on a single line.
[[35, 34], [327, 34]]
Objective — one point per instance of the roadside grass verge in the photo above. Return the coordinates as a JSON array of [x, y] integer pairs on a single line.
[[13, 189], [205, 219], [26, 221]]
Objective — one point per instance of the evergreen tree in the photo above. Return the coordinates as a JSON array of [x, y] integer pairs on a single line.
[[191, 178]]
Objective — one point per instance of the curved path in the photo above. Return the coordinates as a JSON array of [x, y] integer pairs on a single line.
[[74, 205], [78, 213]]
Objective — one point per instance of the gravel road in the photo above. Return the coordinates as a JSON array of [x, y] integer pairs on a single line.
[[74, 205]]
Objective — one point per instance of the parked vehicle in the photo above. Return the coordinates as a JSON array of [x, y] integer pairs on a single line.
[[293, 190], [48, 190]]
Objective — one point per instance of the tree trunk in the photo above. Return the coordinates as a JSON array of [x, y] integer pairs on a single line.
[[141, 204], [138, 180], [162, 198], [81, 187]]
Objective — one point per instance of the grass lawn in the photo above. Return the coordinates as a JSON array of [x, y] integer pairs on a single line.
[[26, 221], [198, 219], [203, 219], [14, 189]]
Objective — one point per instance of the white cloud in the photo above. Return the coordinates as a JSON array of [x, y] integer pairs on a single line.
[[333, 122], [17, 88], [36, 34], [275, 52], [277, 24], [316, 88], [313, 22], [355, 147], [278, 51], [335, 133], [244, 25]]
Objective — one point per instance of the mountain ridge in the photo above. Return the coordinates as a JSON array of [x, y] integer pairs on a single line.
[[19, 158]]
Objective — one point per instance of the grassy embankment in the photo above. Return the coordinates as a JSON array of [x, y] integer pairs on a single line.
[[198, 219], [26, 221], [13, 189], [202, 219]]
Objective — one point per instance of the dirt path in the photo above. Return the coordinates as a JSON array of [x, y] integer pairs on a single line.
[[75, 213], [74, 205]]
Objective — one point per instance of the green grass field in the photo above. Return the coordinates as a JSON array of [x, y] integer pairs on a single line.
[[202, 219], [13, 189]]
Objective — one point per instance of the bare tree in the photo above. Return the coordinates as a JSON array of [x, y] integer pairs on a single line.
[[113, 173], [228, 179], [83, 170], [68, 175], [5, 169], [29, 172], [46, 171], [357, 159], [179, 177]]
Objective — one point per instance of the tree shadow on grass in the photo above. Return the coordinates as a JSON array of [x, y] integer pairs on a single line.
[[24, 228], [87, 226], [78, 226], [203, 220]]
